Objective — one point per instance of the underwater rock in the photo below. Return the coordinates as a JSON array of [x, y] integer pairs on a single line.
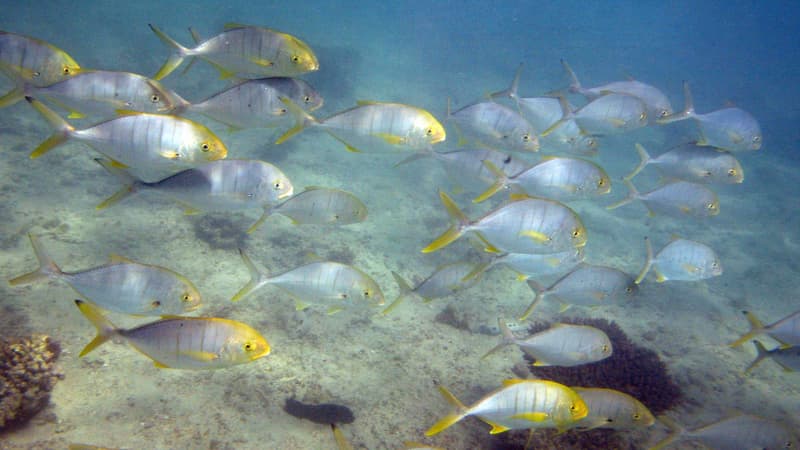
[[27, 375], [324, 413]]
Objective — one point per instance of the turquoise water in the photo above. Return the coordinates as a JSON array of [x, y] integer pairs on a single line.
[[385, 369]]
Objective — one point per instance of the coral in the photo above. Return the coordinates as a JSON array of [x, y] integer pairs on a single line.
[[220, 232], [27, 375]]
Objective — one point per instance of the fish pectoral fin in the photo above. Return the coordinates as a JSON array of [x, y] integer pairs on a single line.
[[540, 363], [531, 416], [689, 268], [564, 307], [169, 154], [118, 165], [599, 295], [263, 62], [537, 236], [392, 139], [496, 427], [334, 309], [619, 123], [735, 137], [299, 305], [201, 356], [75, 115]]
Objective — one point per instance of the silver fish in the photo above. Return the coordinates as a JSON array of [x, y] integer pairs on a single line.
[[683, 260], [742, 432], [121, 285], [586, 285], [528, 265], [223, 185], [676, 199], [183, 342], [788, 358], [496, 126], [731, 128], [561, 345], [522, 225], [257, 103], [609, 114], [245, 51], [612, 409], [336, 285], [446, 280], [39, 62], [785, 331], [690, 162], [321, 206], [658, 105]]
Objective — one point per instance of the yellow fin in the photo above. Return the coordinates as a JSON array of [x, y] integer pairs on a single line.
[[169, 154], [263, 62], [513, 381], [351, 149], [367, 102], [334, 309], [496, 427], [118, 165], [689, 268], [201, 356], [531, 416], [392, 139], [300, 305], [119, 259], [75, 115], [537, 236], [659, 276], [128, 112], [617, 122]]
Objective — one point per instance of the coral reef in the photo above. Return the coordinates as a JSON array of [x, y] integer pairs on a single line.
[[27, 375]]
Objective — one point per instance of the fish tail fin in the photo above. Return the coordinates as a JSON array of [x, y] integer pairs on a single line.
[[479, 269], [511, 92], [257, 277], [175, 59], [129, 183], [500, 184], [574, 84], [63, 129], [264, 216], [762, 354], [688, 108], [452, 233], [405, 291], [644, 160], [648, 262], [756, 328], [450, 419], [341, 442], [506, 337], [539, 291], [675, 432], [47, 267], [633, 195], [302, 120], [192, 59], [105, 329], [566, 114]]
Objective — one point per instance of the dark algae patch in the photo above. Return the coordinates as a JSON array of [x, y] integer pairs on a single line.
[[324, 413]]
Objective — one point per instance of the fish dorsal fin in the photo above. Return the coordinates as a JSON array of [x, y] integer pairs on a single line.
[[367, 102], [234, 26], [172, 317], [128, 112], [513, 381], [312, 257], [516, 196], [313, 188], [119, 259]]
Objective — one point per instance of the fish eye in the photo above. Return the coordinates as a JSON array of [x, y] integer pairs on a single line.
[[186, 297], [344, 295], [526, 137], [282, 111], [643, 117], [367, 293], [155, 98], [295, 58], [277, 186], [249, 347], [605, 348], [711, 206], [731, 172], [66, 70], [628, 289], [205, 147], [306, 99], [36, 74], [601, 182], [573, 407], [429, 131], [576, 232], [155, 303], [756, 138], [664, 113], [636, 416]]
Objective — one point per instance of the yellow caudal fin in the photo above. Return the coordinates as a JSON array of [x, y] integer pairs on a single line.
[[756, 328], [644, 158], [507, 338], [540, 293], [257, 278], [688, 108], [450, 419], [500, 184], [129, 183], [566, 115], [675, 432], [175, 59], [648, 262], [47, 267], [405, 291], [479, 269], [341, 442], [11, 97], [633, 195], [105, 329], [762, 354], [452, 233], [63, 129], [302, 120]]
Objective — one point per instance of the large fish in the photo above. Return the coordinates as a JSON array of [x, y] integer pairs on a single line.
[[563, 345], [676, 199], [730, 128], [153, 146], [614, 410], [244, 51], [446, 280], [557, 178], [741, 432], [121, 285], [373, 127], [522, 225], [257, 103], [786, 331], [681, 259], [334, 284], [320, 206], [519, 404], [183, 342], [691, 162], [585, 285], [496, 126], [38, 62], [222, 185], [657, 103], [609, 114], [528, 265]]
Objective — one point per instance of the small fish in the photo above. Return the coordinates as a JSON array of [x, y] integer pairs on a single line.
[[183, 342], [786, 331], [152, 145], [373, 127], [586, 285], [522, 225], [121, 285], [675, 199], [528, 265], [257, 103], [103, 93], [730, 128], [496, 126], [788, 358], [320, 206], [446, 280], [244, 51], [556, 178], [606, 115], [741, 432], [222, 185], [38, 62], [337, 285], [612, 409], [658, 105], [519, 404], [682, 260], [561, 345], [690, 162]]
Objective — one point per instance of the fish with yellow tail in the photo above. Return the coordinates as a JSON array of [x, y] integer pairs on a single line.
[[606, 115], [494, 125], [522, 225], [38, 62], [691, 162], [373, 127], [527, 265], [122, 285], [244, 51], [675, 199], [612, 409], [319, 206], [183, 342], [519, 404], [741, 432], [153, 146], [446, 280], [788, 358], [786, 331], [683, 260]]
